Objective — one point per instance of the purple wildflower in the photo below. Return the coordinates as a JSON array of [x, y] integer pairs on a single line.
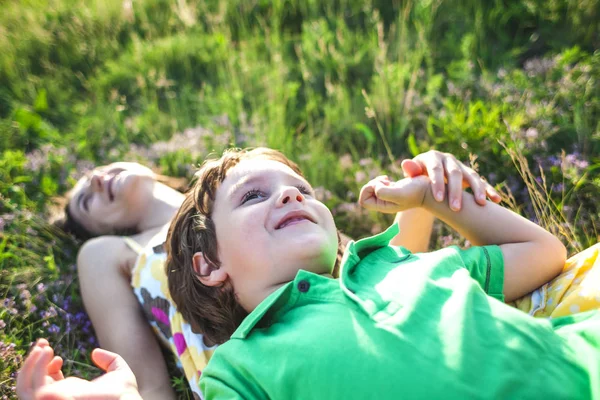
[[360, 177], [531, 133], [346, 161]]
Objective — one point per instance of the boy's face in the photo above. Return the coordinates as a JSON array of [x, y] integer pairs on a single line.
[[269, 225]]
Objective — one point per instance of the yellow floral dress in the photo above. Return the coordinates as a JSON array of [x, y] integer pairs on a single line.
[[149, 283], [575, 290]]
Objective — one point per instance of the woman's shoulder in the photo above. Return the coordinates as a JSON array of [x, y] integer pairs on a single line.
[[102, 246], [117, 247]]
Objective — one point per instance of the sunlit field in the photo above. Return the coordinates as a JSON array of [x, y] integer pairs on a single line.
[[346, 88]]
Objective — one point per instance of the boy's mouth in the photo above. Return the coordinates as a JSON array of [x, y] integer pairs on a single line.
[[294, 217]]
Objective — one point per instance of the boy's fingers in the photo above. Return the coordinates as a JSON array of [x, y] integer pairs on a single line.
[[387, 193], [455, 178], [368, 190], [477, 185], [493, 194], [435, 171], [411, 168], [392, 193], [365, 194]]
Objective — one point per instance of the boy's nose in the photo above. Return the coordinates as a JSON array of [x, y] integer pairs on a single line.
[[289, 195]]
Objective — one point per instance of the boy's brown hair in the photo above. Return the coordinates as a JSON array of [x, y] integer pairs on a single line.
[[212, 311]]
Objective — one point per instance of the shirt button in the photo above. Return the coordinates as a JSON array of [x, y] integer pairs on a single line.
[[303, 286]]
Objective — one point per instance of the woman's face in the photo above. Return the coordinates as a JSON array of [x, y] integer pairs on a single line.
[[112, 197]]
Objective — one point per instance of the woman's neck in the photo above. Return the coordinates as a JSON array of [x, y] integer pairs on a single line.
[[162, 208]]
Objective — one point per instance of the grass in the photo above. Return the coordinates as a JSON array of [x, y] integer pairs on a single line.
[[347, 88]]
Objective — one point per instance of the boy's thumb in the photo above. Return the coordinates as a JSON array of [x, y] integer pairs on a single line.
[[108, 361], [411, 168]]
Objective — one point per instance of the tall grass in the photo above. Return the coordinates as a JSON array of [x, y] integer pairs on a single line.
[[348, 88]]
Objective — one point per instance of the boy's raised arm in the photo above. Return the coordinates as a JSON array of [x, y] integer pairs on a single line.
[[532, 255]]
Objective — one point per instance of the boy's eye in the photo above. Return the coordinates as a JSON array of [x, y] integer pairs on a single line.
[[304, 190], [251, 195]]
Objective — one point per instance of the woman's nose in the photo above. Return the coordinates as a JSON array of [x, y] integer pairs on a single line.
[[290, 194]]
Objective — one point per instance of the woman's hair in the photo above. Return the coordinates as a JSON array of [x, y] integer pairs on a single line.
[[70, 225], [212, 311]]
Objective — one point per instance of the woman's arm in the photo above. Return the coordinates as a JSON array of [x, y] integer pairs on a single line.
[[104, 268]]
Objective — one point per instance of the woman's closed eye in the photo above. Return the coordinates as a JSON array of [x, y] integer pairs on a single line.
[[85, 202]]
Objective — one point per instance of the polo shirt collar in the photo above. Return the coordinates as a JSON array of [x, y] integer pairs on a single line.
[[356, 251], [255, 316], [375, 242]]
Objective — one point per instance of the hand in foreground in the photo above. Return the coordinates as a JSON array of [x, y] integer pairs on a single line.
[[444, 169], [41, 378], [383, 195]]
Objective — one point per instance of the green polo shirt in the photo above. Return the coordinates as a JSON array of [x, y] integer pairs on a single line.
[[401, 325]]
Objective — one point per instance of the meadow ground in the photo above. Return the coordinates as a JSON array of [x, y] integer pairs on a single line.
[[347, 88]]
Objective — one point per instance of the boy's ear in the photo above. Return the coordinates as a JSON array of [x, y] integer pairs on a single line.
[[207, 273]]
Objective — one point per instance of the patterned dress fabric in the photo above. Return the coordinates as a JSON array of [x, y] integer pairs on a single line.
[[149, 282], [575, 290]]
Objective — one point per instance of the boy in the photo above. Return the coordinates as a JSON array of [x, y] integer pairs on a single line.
[[395, 323]]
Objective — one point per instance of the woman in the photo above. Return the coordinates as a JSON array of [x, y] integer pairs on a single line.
[[128, 196], [122, 197]]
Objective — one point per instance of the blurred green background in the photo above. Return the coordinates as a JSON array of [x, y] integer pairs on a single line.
[[347, 88]]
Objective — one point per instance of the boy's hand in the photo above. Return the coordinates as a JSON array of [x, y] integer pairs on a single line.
[[41, 378], [444, 170], [383, 195]]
